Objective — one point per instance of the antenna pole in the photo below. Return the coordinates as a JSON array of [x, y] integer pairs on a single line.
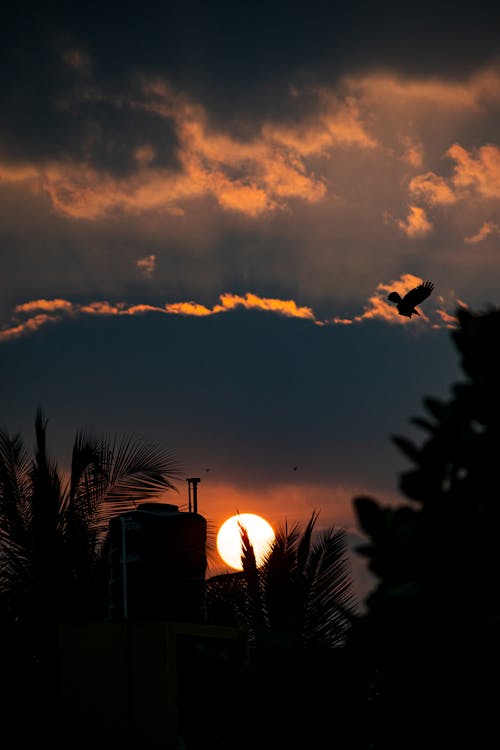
[[193, 485]]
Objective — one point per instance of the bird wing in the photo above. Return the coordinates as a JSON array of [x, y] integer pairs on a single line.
[[418, 294], [394, 297]]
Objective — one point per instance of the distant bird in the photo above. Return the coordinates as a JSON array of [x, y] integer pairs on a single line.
[[407, 304], [295, 468]]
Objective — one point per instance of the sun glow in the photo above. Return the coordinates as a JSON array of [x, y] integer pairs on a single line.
[[260, 533]]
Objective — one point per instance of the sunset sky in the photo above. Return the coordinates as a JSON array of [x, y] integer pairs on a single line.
[[203, 207]]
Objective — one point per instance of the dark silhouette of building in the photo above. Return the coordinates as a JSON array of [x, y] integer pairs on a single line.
[[138, 679], [157, 563]]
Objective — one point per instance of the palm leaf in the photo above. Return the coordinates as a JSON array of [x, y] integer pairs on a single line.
[[129, 471], [305, 543], [280, 580], [15, 486], [252, 580], [330, 605]]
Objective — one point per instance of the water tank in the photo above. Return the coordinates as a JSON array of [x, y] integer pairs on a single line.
[[157, 564]]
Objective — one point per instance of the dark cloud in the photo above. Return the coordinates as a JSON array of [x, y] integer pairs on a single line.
[[250, 393], [234, 59]]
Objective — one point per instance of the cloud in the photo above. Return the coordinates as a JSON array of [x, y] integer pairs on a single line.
[[252, 177], [475, 173], [487, 229], [416, 224], [380, 309], [12, 173], [147, 265], [274, 162], [16, 330], [433, 189], [469, 94], [479, 173], [50, 305], [76, 59], [413, 150], [44, 311], [449, 321], [283, 205]]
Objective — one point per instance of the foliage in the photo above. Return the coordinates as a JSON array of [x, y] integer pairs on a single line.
[[52, 538], [301, 595], [297, 609], [433, 620]]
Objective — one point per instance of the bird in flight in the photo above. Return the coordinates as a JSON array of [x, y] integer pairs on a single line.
[[407, 305]]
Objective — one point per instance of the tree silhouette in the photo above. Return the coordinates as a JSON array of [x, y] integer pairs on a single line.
[[301, 595], [53, 558], [297, 609], [432, 628]]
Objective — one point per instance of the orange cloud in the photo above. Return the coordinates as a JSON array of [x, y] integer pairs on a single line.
[[450, 321], [477, 174], [432, 188], [101, 308], [18, 173], [144, 155], [487, 229], [466, 95], [45, 304], [379, 308], [416, 224], [189, 308], [413, 151], [250, 301], [285, 307], [250, 177], [278, 163], [337, 123], [28, 326], [481, 174], [54, 310], [147, 265]]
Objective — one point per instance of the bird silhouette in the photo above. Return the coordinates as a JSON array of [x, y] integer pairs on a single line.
[[406, 305]]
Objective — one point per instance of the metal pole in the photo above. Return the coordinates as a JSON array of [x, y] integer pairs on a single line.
[[195, 495], [193, 482]]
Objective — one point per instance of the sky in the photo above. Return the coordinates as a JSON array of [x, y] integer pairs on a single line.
[[203, 208]]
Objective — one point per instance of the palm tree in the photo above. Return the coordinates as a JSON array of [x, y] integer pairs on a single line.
[[53, 537], [300, 596], [297, 609]]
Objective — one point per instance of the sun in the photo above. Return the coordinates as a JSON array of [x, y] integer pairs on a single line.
[[260, 532]]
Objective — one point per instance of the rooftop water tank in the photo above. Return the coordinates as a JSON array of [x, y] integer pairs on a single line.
[[157, 564]]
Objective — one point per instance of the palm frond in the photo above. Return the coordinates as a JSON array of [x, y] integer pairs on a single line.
[[130, 471], [280, 578], [305, 543], [13, 561], [15, 485], [252, 582], [46, 491], [80, 497], [211, 543], [330, 603]]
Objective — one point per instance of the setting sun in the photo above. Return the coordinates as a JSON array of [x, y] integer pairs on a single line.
[[260, 533]]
